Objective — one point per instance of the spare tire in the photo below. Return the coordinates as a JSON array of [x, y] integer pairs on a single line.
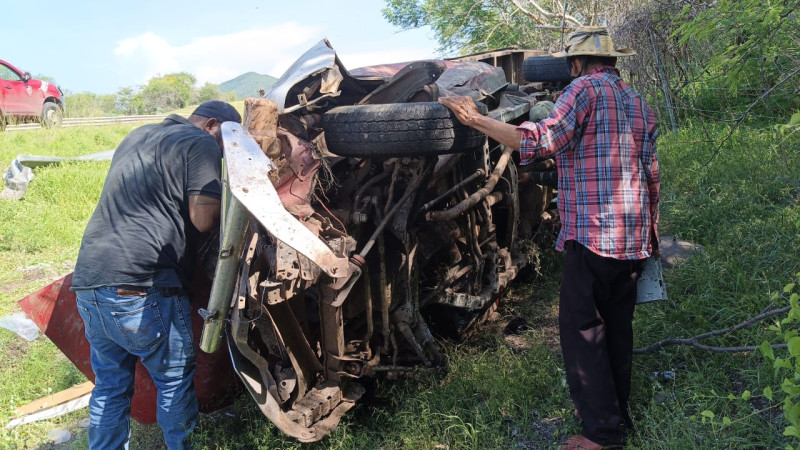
[[398, 129], [546, 68]]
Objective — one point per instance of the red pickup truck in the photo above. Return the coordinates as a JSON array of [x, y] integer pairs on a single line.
[[23, 98]]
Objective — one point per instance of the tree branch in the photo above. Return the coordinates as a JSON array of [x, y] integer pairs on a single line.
[[695, 341], [543, 12]]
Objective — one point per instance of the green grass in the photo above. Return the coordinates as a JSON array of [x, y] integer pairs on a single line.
[[39, 240], [40, 233], [742, 208]]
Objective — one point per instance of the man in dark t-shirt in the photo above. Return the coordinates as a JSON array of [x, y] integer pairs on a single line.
[[133, 268]]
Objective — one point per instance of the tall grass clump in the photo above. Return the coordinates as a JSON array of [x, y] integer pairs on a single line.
[[736, 194], [39, 239], [738, 199], [44, 227]]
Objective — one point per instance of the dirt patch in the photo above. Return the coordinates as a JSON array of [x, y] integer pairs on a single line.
[[16, 350], [675, 251], [43, 273], [518, 344], [544, 434], [538, 312], [762, 405], [11, 287]]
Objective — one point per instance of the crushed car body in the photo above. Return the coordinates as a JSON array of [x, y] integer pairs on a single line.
[[361, 220]]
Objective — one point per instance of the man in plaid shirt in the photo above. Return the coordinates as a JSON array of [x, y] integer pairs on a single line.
[[603, 136]]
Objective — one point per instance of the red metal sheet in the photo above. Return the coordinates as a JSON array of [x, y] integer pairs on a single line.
[[54, 310], [389, 70]]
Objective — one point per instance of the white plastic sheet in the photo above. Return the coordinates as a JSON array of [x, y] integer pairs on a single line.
[[20, 323], [20, 173]]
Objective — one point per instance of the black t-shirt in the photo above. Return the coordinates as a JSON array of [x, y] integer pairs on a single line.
[[140, 233]]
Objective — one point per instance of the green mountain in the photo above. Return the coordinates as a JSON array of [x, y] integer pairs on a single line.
[[248, 84]]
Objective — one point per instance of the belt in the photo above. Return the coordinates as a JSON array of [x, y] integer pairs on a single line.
[[127, 290]]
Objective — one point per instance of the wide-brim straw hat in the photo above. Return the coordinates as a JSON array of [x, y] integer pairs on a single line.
[[592, 41]]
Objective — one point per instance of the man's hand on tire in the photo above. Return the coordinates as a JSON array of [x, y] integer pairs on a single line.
[[464, 108]]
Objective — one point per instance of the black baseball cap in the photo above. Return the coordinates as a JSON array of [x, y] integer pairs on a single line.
[[215, 109]]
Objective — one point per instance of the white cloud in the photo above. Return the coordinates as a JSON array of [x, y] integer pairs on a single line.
[[213, 58], [270, 50]]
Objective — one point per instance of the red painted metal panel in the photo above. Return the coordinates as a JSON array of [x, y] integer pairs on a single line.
[[54, 310]]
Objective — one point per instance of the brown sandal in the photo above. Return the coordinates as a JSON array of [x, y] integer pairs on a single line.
[[579, 442]]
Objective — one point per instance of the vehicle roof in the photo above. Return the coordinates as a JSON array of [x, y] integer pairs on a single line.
[[10, 65]]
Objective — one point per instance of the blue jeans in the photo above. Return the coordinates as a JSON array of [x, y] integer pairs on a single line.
[[155, 328]]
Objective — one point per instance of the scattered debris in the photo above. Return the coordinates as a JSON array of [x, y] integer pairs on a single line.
[[59, 436], [513, 335], [20, 323], [20, 173], [16, 179], [542, 434], [517, 325], [666, 375], [651, 287], [54, 405]]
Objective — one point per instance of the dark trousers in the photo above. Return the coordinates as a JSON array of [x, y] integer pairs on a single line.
[[598, 295]]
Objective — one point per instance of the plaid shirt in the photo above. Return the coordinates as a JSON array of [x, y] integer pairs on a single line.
[[603, 136]]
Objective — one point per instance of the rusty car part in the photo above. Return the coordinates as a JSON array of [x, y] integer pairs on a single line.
[[403, 86], [348, 272], [234, 223], [444, 196], [307, 306], [248, 172], [477, 196]]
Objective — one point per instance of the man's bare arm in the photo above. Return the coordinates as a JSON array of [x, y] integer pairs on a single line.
[[466, 112], [204, 212]]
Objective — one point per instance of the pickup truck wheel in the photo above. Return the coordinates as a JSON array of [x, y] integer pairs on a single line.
[[546, 68], [51, 115], [397, 129]]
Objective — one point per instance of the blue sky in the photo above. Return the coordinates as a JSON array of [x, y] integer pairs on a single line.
[[102, 46]]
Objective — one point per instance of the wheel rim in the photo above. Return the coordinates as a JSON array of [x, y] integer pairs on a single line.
[[52, 117]]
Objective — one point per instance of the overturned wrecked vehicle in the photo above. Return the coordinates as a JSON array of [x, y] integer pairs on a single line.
[[361, 220], [360, 223]]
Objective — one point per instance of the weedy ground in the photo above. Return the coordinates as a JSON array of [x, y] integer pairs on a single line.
[[739, 200]]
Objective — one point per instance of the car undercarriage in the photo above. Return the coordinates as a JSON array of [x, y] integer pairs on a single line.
[[361, 223]]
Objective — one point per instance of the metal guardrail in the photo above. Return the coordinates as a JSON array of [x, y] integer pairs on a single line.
[[90, 121]]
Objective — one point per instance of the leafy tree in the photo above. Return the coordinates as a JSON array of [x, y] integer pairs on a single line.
[[130, 101], [479, 25], [211, 91], [87, 104], [168, 92], [749, 49]]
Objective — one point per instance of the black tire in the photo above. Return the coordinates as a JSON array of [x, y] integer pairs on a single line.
[[2, 122], [52, 116], [546, 68], [398, 129]]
